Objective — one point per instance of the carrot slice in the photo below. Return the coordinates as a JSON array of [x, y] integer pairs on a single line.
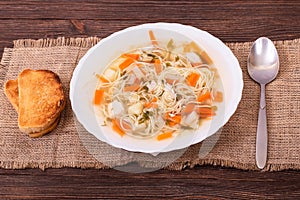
[[170, 123], [171, 81], [126, 63], [151, 104], [98, 97], [116, 127], [125, 125], [157, 61], [204, 96], [157, 65], [218, 97], [102, 78], [188, 108], [205, 112], [192, 79], [152, 38], [132, 55], [131, 88], [176, 119], [164, 136], [196, 64]]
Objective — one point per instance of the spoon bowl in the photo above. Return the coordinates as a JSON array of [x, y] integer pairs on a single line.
[[263, 61], [263, 67]]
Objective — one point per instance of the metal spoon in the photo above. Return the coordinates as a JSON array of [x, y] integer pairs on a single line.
[[263, 66]]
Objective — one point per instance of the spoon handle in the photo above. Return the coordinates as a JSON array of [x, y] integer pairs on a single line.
[[262, 135]]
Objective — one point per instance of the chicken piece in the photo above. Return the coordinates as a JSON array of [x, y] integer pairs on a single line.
[[193, 57], [115, 108], [110, 74], [135, 109], [190, 120], [151, 86], [134, 98]]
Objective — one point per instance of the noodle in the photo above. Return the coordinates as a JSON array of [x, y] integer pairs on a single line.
[[157, 91]]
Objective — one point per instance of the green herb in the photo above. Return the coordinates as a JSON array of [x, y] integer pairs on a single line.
[[152, 55], [168, 64], [145, 117], [145, 88], [170, 44], [123, 73]]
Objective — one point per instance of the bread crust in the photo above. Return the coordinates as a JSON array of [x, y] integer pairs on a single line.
[[11, 91], [46, 130], [41, 100]]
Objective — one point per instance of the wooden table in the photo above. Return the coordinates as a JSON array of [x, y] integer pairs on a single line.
[[231, 21]]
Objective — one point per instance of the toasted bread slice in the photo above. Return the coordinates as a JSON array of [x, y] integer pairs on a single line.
[[46, 130], [41, 100], [12, 92]]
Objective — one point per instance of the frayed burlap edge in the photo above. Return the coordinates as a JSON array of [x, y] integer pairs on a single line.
[[176, 166], [45, 165], [60, 41], [3, 65]]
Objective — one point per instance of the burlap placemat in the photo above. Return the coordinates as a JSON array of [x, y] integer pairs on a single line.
[[69, 145]]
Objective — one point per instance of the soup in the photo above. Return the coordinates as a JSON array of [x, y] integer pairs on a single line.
[[158, 91]]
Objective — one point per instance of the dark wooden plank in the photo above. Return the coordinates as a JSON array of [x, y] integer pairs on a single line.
[[151, 9], [226, 30], [203, 182]]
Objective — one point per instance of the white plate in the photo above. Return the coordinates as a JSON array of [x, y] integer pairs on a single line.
[[83, 83]]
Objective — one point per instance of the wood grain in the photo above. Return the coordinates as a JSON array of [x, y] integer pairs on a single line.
[[139, 9], [231, 21], [202, 182]]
